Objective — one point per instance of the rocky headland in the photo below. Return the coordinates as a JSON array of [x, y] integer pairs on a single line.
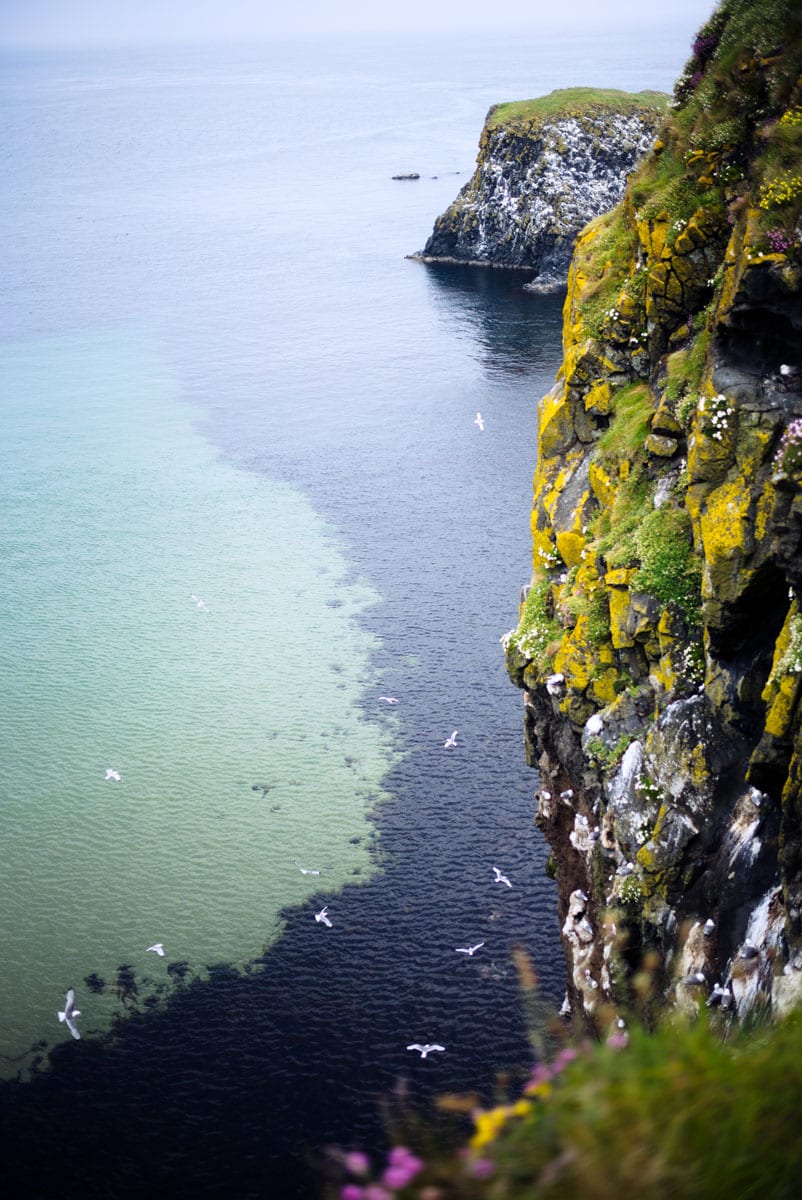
[[545, 168], [660, 642]]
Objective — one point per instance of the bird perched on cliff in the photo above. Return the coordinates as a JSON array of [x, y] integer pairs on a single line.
[[451, 742], [70, 1014], [322, 917], [110, 774], [156, 948], [721, 994], [427, 1049], [501, 878], [479, 420], [469, 950]]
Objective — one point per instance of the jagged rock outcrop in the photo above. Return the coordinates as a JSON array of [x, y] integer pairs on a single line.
[[660, 642], [545, 168]]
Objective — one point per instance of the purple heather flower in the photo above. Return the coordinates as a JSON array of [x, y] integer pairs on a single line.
[[352, 1191], [376, 1192], [618, 1040], [402, 1167], [540, 1074], [482, 1168], [356, 1162], [563, 1058]]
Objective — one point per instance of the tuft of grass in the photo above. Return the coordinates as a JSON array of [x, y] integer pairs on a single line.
[[629, 427]]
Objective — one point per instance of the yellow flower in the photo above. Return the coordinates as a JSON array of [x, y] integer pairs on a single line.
[[488, 1126]]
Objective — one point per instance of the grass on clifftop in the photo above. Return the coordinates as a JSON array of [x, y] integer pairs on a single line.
[[575, 102]]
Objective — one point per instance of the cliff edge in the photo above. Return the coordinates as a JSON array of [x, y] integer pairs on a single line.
[[660, 643], [545, 168]]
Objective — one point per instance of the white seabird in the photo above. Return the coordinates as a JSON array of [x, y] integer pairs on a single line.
[[111, 774], [501, 878], [322, 917], [157, 948], [469, 950], [450, 742], [479, 420], [389, 699], [305, 870], [199, 603], [427, 1049], [70, 1014]]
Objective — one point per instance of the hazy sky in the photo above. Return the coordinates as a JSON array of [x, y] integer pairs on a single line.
[[75, 22]]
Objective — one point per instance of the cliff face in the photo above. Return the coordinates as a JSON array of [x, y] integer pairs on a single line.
[[545, 168], [660, 643]]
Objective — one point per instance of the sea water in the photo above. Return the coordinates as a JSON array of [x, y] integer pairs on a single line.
[[221, 379]]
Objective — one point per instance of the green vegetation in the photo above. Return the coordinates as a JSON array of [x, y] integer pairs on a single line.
[[603, 262], [669, 567], [623, 439], [681, 1113], [575, 102], [538, 627]]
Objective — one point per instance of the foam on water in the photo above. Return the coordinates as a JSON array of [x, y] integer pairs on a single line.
[[114, 512]]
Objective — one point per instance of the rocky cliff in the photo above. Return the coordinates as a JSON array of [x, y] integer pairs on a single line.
[[545, 168], [660, 643]]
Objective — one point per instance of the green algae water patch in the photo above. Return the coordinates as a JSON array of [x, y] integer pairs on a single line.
[[169, 761]]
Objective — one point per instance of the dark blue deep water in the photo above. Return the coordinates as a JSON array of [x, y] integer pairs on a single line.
[[236, 207]]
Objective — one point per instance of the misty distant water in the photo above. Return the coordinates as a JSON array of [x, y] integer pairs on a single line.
[[223, 382]]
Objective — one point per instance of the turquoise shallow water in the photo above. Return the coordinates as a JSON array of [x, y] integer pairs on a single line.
[[115, 510]]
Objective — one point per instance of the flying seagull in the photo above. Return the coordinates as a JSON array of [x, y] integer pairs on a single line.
[[469, 950], [199, 603], [479, 420], [110, 774], [427, 1049], [501, 878], [70, 1014], [157, 948], [305, 870], [322, 917], [451, 742], [389, 699]]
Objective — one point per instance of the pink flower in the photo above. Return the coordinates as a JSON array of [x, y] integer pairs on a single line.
[[481, 1168], [540, 1074], [356, 1162], [376, 1192], [402, 1167], [618, 1040], [563, 1058], [352, 1191]]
